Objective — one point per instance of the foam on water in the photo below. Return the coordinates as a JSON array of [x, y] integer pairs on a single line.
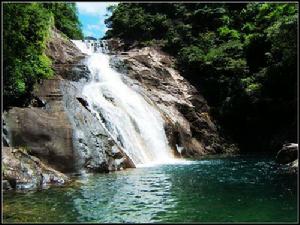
[[83, 47], [172, 161]]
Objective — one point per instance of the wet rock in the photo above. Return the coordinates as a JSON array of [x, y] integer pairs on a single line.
[[37, 102], [287, 154], [5, 142], [188, 122], [83, 102], [294, 166], [73, 72], [115, 45], [22, 171], [5, 133], [94, 149], [6, 185], [116, 152]]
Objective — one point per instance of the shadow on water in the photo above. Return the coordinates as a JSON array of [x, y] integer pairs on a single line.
[[230, 189]]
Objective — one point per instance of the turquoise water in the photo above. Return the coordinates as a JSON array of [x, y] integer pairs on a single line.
[[230, 189]]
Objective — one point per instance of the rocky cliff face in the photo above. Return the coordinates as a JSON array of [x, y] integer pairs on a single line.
[[59, 129], [43, 127], [190, 129]]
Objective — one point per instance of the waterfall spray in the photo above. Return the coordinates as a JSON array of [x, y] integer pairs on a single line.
[[133, 123]]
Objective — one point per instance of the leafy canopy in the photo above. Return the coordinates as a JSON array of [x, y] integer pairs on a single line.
[[26, 31], [241, 56]]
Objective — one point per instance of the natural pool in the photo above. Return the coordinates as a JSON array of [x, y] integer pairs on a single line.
[[222, 189]]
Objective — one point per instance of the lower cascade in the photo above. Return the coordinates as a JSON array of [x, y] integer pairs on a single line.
[[131, 121]]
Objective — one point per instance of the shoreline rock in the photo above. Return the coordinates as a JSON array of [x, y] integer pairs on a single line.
[[22, 171], [288, 155]]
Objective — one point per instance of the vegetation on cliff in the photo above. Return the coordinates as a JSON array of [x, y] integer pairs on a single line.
[[66, 19], [26, 29], [242, 57]]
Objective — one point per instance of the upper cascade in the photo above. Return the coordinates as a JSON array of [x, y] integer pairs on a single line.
[[92, 46]]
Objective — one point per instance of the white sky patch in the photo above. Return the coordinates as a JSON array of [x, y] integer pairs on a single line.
[[88, 33], [94, 8], [93, 27]]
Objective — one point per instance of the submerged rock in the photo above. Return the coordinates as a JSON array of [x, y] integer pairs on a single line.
[[22, 171], [288, 155]]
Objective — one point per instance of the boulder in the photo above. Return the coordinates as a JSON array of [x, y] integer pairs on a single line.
[[287, 154], [293, 166], [46, 131], [22, 171]]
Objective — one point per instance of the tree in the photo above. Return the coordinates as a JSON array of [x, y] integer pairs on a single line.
[[241, 56], [66, 19], [26, 31]]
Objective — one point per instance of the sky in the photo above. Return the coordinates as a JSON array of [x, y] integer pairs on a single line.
[[92, 16]]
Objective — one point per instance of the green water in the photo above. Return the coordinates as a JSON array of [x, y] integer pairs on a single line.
[[231, 189]]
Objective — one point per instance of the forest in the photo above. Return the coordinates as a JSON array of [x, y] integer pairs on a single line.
[[241, 56], [27, 28], [150, 112]]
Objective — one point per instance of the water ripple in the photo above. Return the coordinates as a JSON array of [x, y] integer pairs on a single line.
[[209, 190]]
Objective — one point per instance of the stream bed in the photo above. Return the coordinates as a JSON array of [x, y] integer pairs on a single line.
[[215, 189]]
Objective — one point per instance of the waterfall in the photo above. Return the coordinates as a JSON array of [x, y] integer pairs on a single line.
[[131, 121]]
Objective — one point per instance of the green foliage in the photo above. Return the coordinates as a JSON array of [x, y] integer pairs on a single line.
[[26, 31], [66, 19], [226, 32], [241, 56], [192, 54]]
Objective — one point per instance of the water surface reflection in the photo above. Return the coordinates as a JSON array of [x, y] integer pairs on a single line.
[[235, 189]]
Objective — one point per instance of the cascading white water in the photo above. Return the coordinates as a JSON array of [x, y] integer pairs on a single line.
[[134, 123]]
